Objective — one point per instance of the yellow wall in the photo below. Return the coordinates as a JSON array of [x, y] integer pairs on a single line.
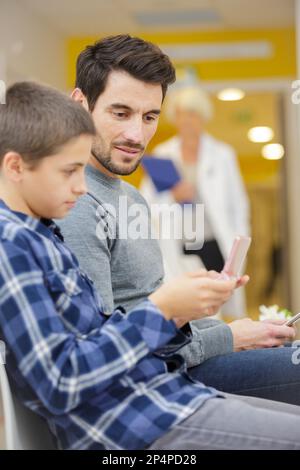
[[281, 64]]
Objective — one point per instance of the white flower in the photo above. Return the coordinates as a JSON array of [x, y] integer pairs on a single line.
[[273, 313]]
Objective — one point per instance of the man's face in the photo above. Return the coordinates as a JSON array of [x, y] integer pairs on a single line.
[[126, 118], [51, 189]]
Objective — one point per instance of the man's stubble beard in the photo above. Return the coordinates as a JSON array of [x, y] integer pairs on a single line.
[[104, 158]]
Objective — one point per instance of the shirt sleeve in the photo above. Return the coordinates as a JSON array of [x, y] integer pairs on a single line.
[[62, 368], [210, 338]]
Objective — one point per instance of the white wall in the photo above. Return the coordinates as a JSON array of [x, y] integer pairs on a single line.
[[32, 48]]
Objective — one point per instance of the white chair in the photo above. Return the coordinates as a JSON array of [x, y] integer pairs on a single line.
[[23, 429]]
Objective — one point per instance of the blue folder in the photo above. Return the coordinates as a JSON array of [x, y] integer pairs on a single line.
[[162, 172]]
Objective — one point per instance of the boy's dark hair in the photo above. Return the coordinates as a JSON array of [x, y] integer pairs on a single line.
[[141, 59], [37, 121]]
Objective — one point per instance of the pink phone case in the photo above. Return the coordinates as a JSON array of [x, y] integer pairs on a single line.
[[237, 257]]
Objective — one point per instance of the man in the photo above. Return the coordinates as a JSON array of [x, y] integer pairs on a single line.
[[122, 82]]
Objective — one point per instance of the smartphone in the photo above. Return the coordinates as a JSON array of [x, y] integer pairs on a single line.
[[235, 261], [293, 320]]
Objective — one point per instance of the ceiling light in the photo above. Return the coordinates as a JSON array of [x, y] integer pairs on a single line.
[[178, 17], [272, 151], [260, 134], [231, 94]]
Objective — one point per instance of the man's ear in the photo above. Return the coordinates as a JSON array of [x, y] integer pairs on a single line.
[[13, 166], [78, 96]]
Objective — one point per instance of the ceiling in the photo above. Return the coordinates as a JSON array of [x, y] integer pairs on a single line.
[[91, 17]]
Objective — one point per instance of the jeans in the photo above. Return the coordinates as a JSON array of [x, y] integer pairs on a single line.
[[235, 422], [264, 373]]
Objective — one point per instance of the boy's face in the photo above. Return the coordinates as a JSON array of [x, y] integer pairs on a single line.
[[126, 118], [51, 189]]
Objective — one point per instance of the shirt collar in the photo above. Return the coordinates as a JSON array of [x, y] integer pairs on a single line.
[[100, 177], [43, 226]]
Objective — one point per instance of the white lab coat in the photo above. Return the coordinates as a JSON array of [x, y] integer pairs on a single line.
[[225, 201]]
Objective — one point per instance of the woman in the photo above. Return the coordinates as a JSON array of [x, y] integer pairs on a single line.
[[210, 175]]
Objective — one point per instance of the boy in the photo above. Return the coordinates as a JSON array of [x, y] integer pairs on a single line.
[[101, 381]]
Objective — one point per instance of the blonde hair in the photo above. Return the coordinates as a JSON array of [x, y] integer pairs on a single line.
[[190, 98]]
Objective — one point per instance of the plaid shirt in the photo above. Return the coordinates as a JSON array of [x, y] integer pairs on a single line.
[[101, 381]]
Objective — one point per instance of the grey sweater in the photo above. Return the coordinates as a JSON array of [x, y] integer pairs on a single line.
[[126, 270]]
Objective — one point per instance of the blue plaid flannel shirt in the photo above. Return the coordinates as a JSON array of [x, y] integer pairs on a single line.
[[101, 381]]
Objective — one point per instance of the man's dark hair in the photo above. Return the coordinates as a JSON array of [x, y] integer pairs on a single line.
[[37, 121], [141, 59]]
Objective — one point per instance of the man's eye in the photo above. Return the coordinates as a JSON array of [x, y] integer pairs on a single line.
[[120, 114], [69, 172], [151, 118]]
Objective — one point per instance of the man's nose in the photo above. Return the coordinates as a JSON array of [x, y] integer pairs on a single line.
[[134, 132]]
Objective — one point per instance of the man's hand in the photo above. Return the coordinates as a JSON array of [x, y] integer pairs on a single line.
[[242, 281], [249, 334], [192, 296]]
